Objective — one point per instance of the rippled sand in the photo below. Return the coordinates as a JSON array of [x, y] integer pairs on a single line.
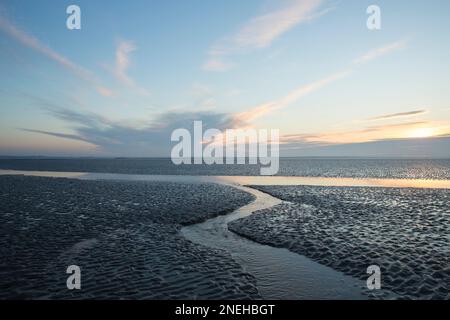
[[404, 231], [124, 236]]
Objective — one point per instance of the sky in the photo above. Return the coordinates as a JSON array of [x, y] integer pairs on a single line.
[[138, 70]]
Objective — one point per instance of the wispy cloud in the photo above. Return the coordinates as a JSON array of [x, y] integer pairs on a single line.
[[398, 115], [151, 138], [438, 146], [402, 125], [28, 40], [124, 48], [204, 97], [122, 64], [57, 134], [261, 31], [381, 51], [215, 64], [104, 91], [298, 93], [116, 138], [290, 98], [399, 130]]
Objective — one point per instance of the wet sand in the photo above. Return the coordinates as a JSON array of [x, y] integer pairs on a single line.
[[405, 231], [280, 273], [124, 236], [164, 260]]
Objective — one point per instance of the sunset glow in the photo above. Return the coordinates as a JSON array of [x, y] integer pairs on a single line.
[[423, 133], [121, 90]]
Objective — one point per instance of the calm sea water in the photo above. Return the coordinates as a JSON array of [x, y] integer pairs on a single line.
[[308, 167]]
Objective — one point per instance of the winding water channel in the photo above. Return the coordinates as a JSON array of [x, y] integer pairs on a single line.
[[280, 273]]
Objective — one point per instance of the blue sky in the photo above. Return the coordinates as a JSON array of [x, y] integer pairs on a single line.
[[136, 70]]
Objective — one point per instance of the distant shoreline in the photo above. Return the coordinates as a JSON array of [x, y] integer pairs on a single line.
[[7, 157]]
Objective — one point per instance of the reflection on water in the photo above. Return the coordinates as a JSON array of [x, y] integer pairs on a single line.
[[247, 180], [280, 273], [339, 182]]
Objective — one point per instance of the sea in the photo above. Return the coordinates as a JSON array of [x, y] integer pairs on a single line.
[[435, 169]]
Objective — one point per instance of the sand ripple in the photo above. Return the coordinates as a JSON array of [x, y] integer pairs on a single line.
[[124, 236], [404, 231]]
